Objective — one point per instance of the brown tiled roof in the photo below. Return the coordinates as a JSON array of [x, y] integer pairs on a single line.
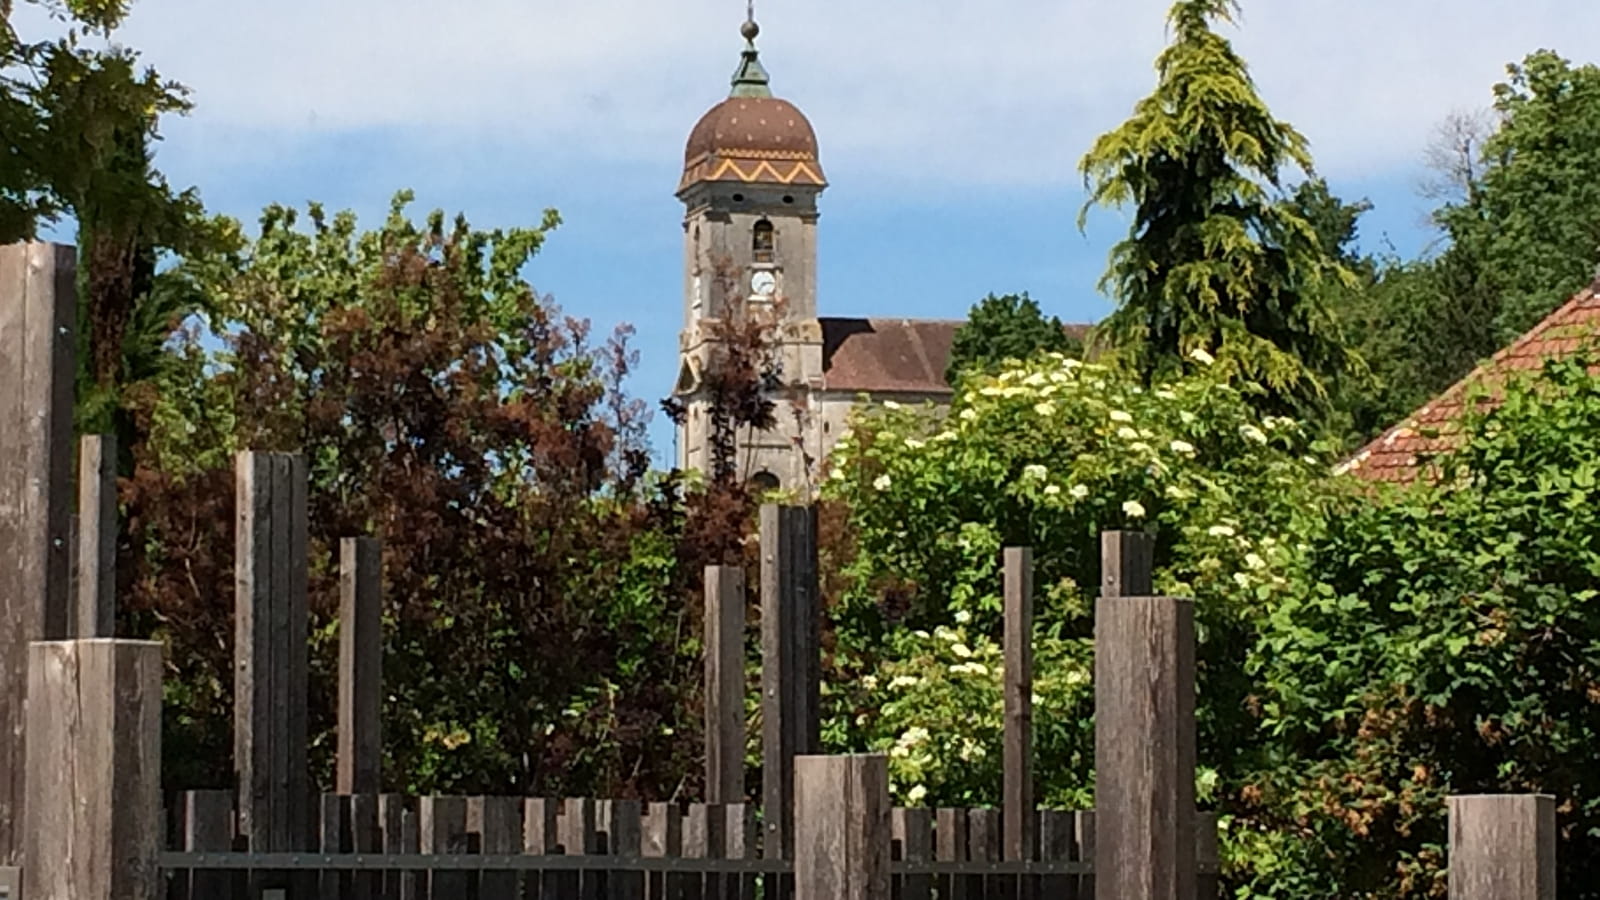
[[876, 356], [886, 355], [1437, 425]]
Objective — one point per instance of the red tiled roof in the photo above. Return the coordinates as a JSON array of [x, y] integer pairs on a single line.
[[886, 356], [1436, 427]]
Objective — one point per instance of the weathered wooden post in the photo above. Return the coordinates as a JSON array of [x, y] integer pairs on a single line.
[[1144, 745], [1207, 856], [1127, 564], [841, 828], [1017, 788], [724, 707], [790, 662], [38, 323], [94, 770], [270, 637], [443, 822], [1503, 847], [359, 757], [360, 750], [95, 587]]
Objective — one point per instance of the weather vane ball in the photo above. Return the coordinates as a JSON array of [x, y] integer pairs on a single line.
[[750, 29]]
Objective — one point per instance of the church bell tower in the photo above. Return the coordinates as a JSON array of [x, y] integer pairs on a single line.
[[751, 179]]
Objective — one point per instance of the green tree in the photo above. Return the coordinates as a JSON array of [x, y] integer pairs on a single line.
[[1441, 639], [1009, 327], [538, 581], [1517, 186], [1213, 259], [1337, 224], [1527, 228], [79, 122], [1421, 325]]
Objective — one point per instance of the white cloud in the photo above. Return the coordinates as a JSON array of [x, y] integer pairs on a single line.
[[927, 90]]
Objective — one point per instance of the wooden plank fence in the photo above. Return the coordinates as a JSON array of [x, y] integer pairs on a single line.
[[79, 771], [700, 851]]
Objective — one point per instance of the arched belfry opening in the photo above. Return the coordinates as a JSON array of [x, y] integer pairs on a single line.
[[764, 243], [763, 482]]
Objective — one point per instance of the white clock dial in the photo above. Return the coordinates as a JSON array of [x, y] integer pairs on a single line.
[[764, 283]]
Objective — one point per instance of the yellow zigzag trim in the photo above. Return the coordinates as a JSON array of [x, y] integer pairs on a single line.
[[763, 167]]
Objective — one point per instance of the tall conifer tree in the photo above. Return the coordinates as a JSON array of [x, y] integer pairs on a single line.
[[1214, 260]]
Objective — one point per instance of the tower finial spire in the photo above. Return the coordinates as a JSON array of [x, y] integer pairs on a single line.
[[750, 80]]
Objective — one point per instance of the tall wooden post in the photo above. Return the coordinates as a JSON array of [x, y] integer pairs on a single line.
[[724, 708], [95, 587], [270, 637], [841, 828], [360, 749], [1127, 564], [1017, 788], [94, 770], [1144, 748], [38, 320], [790, 662], [1503, 847]]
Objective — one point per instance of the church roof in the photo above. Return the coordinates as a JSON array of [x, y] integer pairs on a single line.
[[1398, 455], [886, 355], [752, 137], [890, 356]]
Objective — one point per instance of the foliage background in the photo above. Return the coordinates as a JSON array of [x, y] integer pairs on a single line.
[[540, 624], [1364, 652]]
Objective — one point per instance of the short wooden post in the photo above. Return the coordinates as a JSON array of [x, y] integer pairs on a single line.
[[1208, 856], [360, 749], [1127, 564], [1144, 748], [790, 662], [208, 827], [95, 588], [663, 838], [443, 823], [498, 823], [38, 320], [94, 770], [841, 828], [1017, 789], [1503, 847], [270, 650], [724, 705]]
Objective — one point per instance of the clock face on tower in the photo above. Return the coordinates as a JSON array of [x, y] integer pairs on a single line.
[[764, 283]]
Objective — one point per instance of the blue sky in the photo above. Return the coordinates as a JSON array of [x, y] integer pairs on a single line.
[[950, 131]]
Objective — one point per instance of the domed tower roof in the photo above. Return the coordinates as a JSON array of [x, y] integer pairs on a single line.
[[752, 137]]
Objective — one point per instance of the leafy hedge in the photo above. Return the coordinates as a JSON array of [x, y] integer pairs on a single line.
[[1363, 652]]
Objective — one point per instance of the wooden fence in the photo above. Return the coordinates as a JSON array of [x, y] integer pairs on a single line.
[[627, 850], [80, 727]]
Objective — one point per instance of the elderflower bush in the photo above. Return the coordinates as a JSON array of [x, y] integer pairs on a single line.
[[1048, 454], [935, 709]]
